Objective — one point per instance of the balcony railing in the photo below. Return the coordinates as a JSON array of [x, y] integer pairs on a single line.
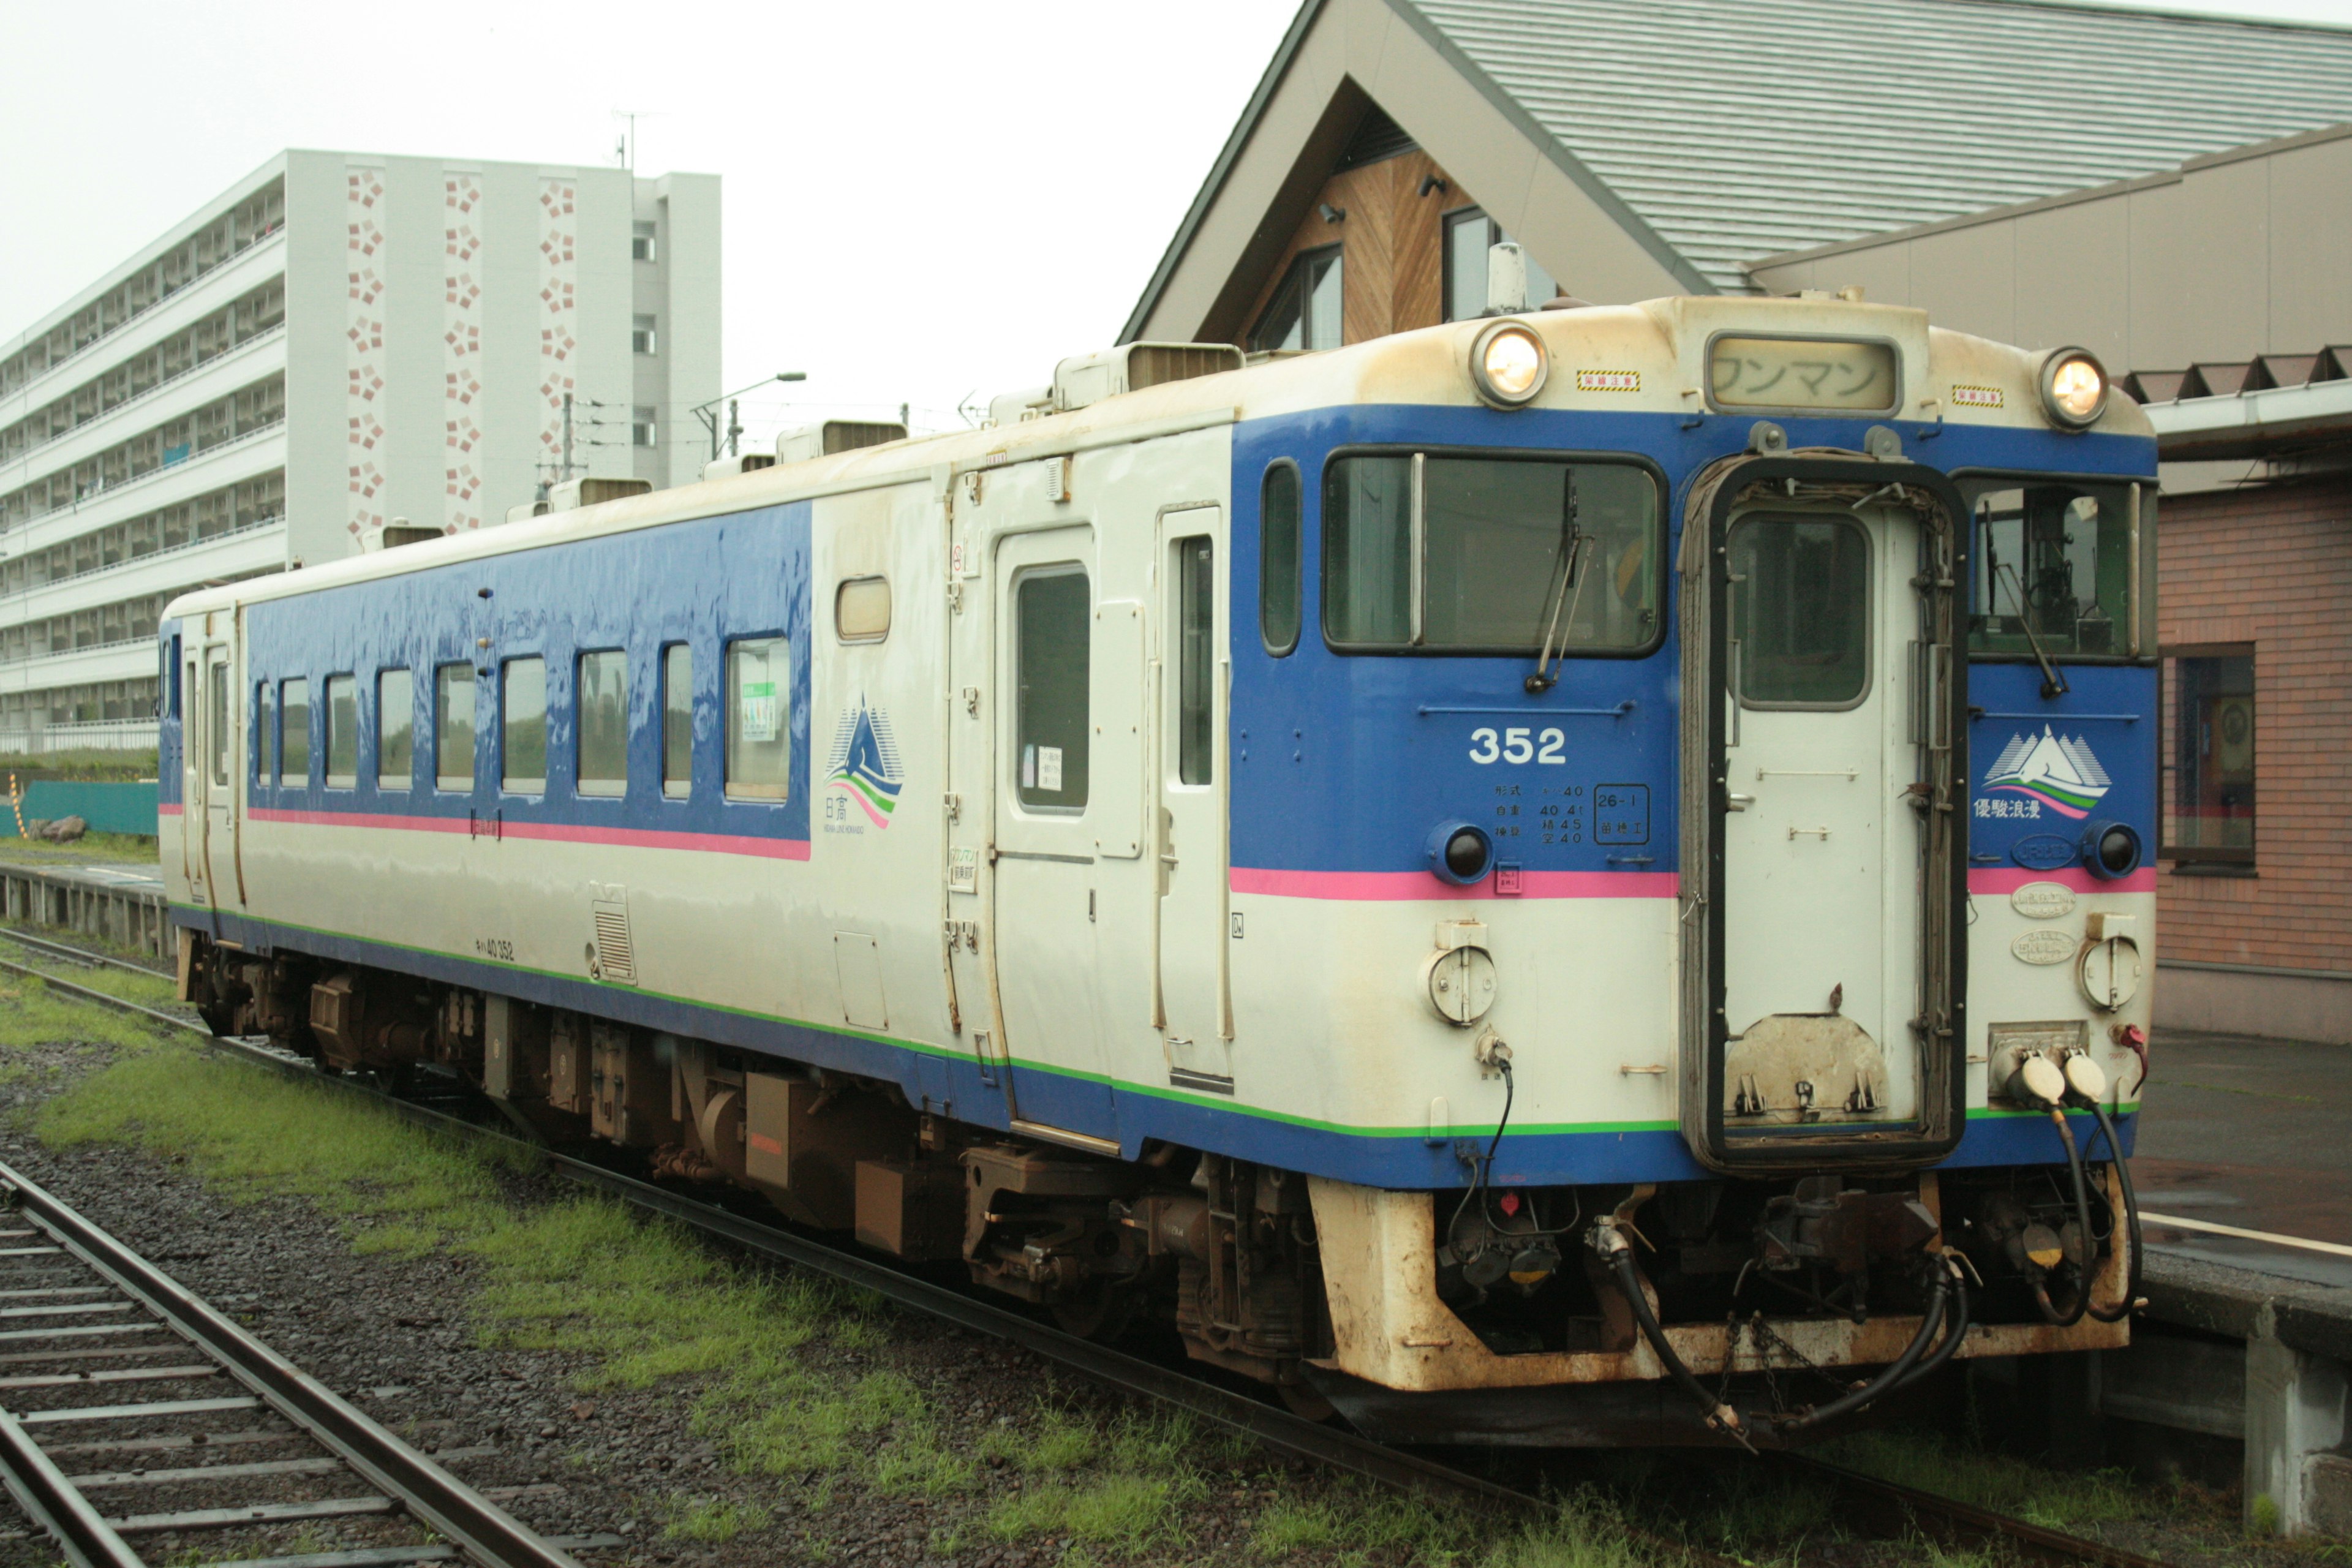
[[272, 520], [24, 454], [99, 492], [165, 298], [99, 735]]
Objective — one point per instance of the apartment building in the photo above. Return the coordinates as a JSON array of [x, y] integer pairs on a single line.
[[338, 343]]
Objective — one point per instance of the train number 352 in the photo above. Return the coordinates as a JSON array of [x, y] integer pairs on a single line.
[[1518, 745]]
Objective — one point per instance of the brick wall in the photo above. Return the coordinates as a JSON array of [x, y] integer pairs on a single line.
[[2272, 566]]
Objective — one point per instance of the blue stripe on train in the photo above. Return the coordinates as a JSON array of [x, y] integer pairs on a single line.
[[952, 1085]]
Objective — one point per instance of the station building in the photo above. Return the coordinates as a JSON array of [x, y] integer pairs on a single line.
[[2173, 192], [337, 341]]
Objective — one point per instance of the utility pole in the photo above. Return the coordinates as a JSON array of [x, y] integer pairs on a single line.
[[567, 438], [734, 428]]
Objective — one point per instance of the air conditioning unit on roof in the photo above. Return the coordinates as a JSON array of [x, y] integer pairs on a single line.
[[1132, 367], [573, 494], [747, 463], [836, 435]]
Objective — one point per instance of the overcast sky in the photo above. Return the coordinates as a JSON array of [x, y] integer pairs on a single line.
[[921, 200]]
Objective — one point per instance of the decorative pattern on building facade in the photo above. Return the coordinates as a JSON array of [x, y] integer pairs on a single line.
[[559, 320], [461, 356], [363, 356]]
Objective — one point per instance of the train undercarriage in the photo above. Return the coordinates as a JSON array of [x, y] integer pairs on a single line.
[[1756, 1310]]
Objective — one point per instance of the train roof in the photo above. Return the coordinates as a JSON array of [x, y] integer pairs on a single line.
[[1615, 359]]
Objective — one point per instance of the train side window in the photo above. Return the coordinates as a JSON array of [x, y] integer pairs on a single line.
[[759, 734], [522, 726], [452, 727], [172, 677], [602, 703], [216, 719], [342, 732], [1196, 658], [294, 733], [395, 728], [677, 720], [2051, 565], [265, 736], [861, 609], [1053, 611], [1277, 562]]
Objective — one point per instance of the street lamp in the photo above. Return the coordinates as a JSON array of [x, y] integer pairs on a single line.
[[708, 412]]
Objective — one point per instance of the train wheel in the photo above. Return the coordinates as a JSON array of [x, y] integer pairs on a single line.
[[1102, 1312], [1304, 1401]]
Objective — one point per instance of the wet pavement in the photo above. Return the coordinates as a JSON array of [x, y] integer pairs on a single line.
[[2250, 1132]]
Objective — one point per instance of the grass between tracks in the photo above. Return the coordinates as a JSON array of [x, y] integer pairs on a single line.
[[778, 1366]]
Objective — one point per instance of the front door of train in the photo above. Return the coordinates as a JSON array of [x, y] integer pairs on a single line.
[[1834, 964]]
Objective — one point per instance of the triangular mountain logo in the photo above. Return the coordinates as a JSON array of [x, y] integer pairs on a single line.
[[864, 762], [2063, 775]]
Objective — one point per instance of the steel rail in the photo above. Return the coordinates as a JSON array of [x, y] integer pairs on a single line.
[[1964, 1522], [1276, 1429], [483, 1531], [121, 1005], [82, 955]]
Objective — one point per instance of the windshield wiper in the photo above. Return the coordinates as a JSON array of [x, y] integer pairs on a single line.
[[2054, 685], [1572, 547]]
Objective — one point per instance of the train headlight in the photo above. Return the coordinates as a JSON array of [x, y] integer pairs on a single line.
[[1460, 853], [2074, 388], [2111, 850], [1509, 363]]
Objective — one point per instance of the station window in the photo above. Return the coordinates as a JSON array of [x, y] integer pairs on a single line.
[[342, 732], [602, 703], [644, 335], [522, 726], [644, 424], [677, 720], [1509, 550], [395, 728], [265, 735], [294, 733], [1196, 659], [644, 241], [1305, 311], [861, 609], [2208, 755], [452, 727], [1051, 611], [1470, 233], [759, 712], [1277, 562]]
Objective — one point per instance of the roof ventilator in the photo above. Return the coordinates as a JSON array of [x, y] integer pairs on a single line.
[[1131, 367], [835, 435], [573, 494]]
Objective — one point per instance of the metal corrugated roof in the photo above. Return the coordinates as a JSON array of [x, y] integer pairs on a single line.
[[1739, 129]]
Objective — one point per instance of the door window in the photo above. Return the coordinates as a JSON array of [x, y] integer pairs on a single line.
[[677, 720], [1051, 718], [452, 727], [522, 726], [1277, 581], [604, 703], [1196, 658], [395, 728], [294, 733], [1801, 611], [342, 732], [216, 720], [265, 736], [759, 718]]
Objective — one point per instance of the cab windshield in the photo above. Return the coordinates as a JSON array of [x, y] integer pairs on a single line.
[[1471, 554], [2050, 562]]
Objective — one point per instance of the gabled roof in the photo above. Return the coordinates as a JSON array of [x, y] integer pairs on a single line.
[[1726, 130]]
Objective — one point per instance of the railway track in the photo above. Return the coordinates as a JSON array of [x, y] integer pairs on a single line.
[[1890, 1510], [134, 1410]]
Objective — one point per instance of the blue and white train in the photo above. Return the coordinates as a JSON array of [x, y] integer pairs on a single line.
[[1536, 879]]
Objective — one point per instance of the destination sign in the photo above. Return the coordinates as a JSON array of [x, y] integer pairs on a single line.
[[1802, 373]]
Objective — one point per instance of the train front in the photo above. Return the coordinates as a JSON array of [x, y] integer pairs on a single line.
[[1693, 773]]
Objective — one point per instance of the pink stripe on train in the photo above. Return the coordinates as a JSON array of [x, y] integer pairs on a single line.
[[630, 838], [1389, 885]]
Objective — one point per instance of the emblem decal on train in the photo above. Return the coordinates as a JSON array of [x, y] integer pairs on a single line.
[[864, 769], [2048, 769]]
